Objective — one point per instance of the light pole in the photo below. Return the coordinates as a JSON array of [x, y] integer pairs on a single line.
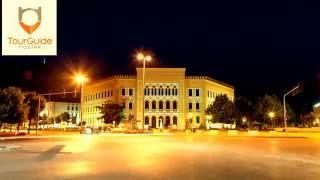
[[81, 79], [284, 106], [144, 58], [271, 115]]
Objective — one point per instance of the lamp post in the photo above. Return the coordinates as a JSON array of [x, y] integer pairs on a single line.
[[81, 79], [271, 115], [284, 106], [144, 58]]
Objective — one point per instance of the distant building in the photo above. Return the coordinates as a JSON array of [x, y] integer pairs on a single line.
[[54, 109], [170, 97]]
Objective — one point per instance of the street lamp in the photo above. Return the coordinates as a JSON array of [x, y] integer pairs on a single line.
[[271, 115], [81, 79], [244, 119], [144, 57]]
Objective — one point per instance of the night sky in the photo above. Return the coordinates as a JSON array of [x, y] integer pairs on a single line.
[[257, 46]]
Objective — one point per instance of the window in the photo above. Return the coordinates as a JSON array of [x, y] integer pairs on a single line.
[[198, 119], [77, 108], [168, 91], [72, 108], [153, 91], [123, 92], [68, 108], [130, 92], [161, 91], [167, 123], [175, 120], [167, 104], [174, 106], [130, 105], [111, 93], [190, 105], [208, 93], [190, 92], [197, 92], [160, 105], [146, 120], [197, 106], [153, 105], [146, 105]]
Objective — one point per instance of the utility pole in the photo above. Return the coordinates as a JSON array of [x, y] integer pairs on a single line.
[[284, 106]]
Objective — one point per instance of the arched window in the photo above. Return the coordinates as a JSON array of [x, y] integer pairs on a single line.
[[168, 88], [190, 106], [130, 105], [146, 90], [167, 104], [167, 123], [146, 105], [154, 122], [153, 105], [146, 120], [174, 106], [160, 105], [160, 91], [166, 92], [175, 120], [197, 106], [153, 91]]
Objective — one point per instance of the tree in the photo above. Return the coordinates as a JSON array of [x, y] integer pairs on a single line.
[[267, 104], [222, 110], [64, 117], [112, 112], [243, 108], [74, 120], [307, 119], [271, 103], [12, 108], [32, 101]]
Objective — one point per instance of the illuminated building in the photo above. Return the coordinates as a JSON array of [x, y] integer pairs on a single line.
[[55, 108], [170, 97]]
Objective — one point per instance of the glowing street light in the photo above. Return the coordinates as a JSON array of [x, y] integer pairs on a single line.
[[144, 57], [244, 119], [81, 79], [271, 115]]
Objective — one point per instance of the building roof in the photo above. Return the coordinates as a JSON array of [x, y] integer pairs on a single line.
[[160, 69]]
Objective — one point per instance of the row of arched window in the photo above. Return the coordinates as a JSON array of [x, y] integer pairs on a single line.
[[166, 122], [160, 105], [161, 91]]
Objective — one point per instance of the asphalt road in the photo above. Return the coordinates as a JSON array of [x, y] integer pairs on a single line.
[[161, 157]]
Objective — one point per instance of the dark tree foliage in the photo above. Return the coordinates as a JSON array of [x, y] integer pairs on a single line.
[[222, 110], [112, 112]]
